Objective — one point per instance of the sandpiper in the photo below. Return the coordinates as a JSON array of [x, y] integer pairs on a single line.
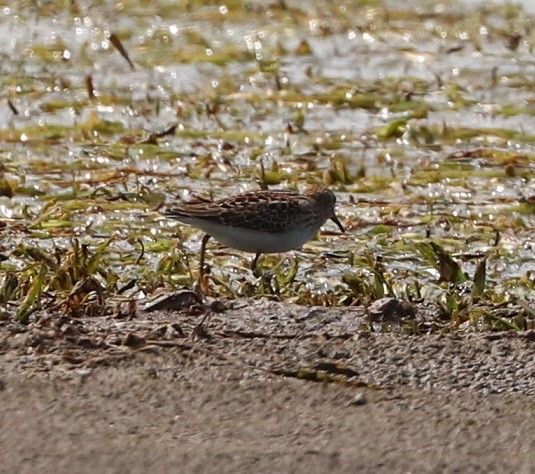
[[259, 221]]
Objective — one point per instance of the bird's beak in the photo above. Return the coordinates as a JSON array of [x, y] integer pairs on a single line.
[[338, 223]]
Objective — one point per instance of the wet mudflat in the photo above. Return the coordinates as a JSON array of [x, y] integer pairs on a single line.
[[270, 339], [260, 387], [404, 345]]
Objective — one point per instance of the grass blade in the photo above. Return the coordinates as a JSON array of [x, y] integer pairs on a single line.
[[26, 307]]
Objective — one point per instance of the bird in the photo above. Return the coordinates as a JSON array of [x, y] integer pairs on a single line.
[[259, 222]]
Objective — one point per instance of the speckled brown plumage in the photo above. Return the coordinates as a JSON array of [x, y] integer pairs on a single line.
[[259, 221], [267, 211]]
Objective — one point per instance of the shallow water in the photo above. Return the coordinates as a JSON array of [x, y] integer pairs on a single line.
[[459, 166]]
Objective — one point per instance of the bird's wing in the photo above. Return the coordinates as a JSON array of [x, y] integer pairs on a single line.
[[269, 211]]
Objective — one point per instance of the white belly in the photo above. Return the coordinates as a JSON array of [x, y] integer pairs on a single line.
[[255, 240]]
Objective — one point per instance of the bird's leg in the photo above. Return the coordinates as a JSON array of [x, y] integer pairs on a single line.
[[204, 241], [253, 264]]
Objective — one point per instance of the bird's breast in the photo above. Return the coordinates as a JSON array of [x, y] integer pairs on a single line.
[[249, 240]]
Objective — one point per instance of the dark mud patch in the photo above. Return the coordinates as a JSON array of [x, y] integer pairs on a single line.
[[268, 339]]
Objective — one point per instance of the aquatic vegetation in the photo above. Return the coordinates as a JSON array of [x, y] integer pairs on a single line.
[[421, 121]]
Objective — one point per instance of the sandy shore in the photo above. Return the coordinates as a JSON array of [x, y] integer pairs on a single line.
[[156, 394]]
